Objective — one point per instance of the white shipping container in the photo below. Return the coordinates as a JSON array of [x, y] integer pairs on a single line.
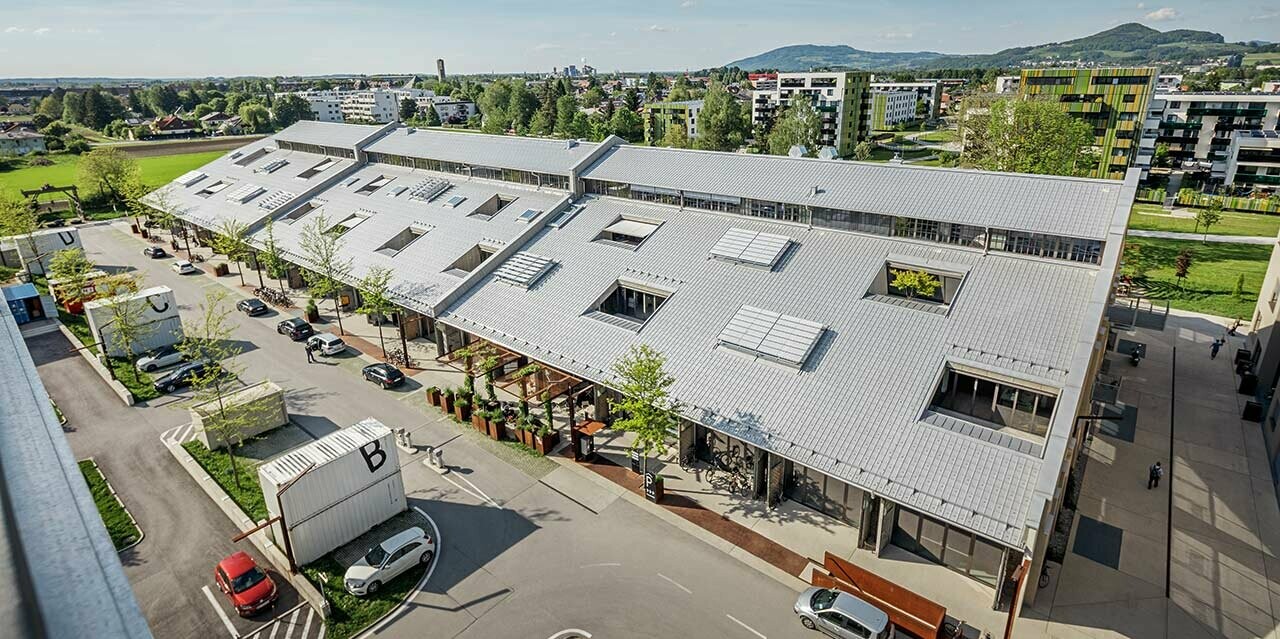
[[346, 466], [159, 314], [47, 242]]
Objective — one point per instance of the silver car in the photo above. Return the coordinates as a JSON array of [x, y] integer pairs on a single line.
[[159, 358], [387, 560], [841, 615]]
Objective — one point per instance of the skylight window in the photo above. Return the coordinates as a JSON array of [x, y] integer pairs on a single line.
[[272, 166], [773, 336], [428, 189], [454, 201], [472, 259], [492, 206], [216, 187], [751, 247], [396, 190], [254, 156], [930, 287], [529, 215], [190, 177], [350, 182], [628, 232], [374, 185], [629, 304], [323, 166], [564, 217], [297, 213], [523, 269], [275, 200], [245, 193], [350, 222], [404, 238]]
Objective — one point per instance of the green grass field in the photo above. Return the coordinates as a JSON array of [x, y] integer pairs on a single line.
[[940, 136], [155, 171], [351, 614], [119, 526], [1215, 267], [248, 496], [1152, 217], [1251, 59]]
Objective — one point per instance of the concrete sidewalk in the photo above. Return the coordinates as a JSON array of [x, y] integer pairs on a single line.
[[1199, 237], [1212, 543]]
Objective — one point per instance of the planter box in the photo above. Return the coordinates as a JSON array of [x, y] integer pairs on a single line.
[[497, 430], [446, 403], [479, 423], [545, 443], [220, 269], [313, 316], [433, 396], [463, 413]]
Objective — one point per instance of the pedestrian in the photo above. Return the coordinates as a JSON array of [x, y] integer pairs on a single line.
[[1154, 475], [1213, 350], [1234, 325], [311, 358]]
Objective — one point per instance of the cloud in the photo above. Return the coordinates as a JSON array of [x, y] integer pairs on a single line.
[[660, 29], [688, 4], [88, 30], [1163, 13], [1265, 16], [14, 30], [896, 36], [613, 34], [547, 46], [41, 31], [1142, 5]]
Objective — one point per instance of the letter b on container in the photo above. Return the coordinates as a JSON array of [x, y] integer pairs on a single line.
[[374, 456]]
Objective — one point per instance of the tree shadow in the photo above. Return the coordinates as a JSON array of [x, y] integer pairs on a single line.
[[301, 400], [482, 533]]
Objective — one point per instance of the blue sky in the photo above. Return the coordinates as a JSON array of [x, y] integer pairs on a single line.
[[171, 38]]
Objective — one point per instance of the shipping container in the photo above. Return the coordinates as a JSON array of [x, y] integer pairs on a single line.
[[41, 246], [353, 484], [159, 315]]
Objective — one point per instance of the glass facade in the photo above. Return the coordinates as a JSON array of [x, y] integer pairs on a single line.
[[957, 549], [630, 303], [516, 176], [826, 495], [332, 151], [1051, 246]]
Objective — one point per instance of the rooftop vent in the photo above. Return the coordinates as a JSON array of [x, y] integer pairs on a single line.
[[569, 144], [245, 193], [828, 153], [190, 177], [428, 189], [275, 200], [797, 151]]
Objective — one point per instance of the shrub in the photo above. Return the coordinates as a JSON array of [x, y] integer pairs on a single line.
[[78, 147]]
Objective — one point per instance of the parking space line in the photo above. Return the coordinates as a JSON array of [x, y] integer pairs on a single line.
[[753, 630], [306, 628], [676, 584], [222, 615], [275, 628], [293, 624], [482, 494]]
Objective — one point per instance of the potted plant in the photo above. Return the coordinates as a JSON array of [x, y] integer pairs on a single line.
[[433, 396], [545, 439], [446, 401], [497, 424], [480, 419], [313, 311], [461, 406]]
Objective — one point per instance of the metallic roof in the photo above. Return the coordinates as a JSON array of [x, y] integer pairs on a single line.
[[326, 133], [504, 151]]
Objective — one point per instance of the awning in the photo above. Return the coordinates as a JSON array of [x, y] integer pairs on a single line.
[[632, 228]]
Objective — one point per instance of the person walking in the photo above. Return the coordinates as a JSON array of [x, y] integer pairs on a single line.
[[311, 358], [1234, 326], [1213, 349], [1153, 476]]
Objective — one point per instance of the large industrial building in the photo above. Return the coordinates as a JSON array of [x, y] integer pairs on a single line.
[[942, 421]]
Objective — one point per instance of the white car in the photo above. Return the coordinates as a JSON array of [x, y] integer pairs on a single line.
[[326, 343], [162, 357], [388, 560], [182, 267]]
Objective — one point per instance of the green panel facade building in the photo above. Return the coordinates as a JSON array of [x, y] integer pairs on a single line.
[[660, 115], [1113, 101], [842, 99]]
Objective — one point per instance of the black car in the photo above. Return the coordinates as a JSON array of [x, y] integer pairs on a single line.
[[296, 328], [251, 307], [180, 377], [154, 252], [384, 375]]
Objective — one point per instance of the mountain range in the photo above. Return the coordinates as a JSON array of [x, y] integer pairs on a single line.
[[1129, 44]]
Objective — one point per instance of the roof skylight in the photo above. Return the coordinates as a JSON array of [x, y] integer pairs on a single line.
[[272, 166], [523, 269], [275, 200], [751, 247], [529, 215], [245, 193], [454, 201], [781, 338], [190, 177]]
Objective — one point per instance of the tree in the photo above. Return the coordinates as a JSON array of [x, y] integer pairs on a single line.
[[627, 124], [375, 299], [1030, 136], [71, 268], [290, 109], [647, 407], [208, 339], [19, 219], [798, 126], [127, 318], [862, 151], [271, 257], [1208, 216], [1182, 266], [722, 125], [51, 107], [676, 136], [255, 118], [408, 108], [1161, 157], [162, 99], [914, 283], [433, 118], [631, 99], [232, 241], [324, 249], [566, 108], [111, 170], [1238, 291]]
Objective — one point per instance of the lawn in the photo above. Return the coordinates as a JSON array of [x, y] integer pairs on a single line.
[[351, 614], [1152, 217], [119, 525], [79, 326], [138, 382], [249, 495], [884, 155], [155, 171], [1252, 59], [940, 136], [1215, 267]]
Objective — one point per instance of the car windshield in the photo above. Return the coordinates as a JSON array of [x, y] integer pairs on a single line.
[[822, 600], [247, 580], [376, 556]]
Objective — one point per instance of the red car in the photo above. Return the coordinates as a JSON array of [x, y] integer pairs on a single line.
[[249, 588]]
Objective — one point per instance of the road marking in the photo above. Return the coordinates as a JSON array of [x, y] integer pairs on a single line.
[[293, 624], [486, 497], [753, 630], [275, 627], [572, 632], [369, 632], [676, 584], [225, 621], [599, 565], [306, 628], [476, 493]]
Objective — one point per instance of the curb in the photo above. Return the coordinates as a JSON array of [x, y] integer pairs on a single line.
[[261, 539], [115, 386], [142, 534], [386, 618]]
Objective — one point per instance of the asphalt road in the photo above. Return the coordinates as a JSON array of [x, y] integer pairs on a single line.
[[521, 557]]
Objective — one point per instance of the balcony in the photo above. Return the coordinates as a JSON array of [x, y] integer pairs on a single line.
[[1244, 178], [1169, 124], [1248, 112]]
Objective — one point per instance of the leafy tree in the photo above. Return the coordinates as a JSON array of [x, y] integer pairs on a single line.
[[1182, 266], [915, 283], [1030, 136], [1238, 291], [631, 99], [408, 108], [580, 126], [722, 125], [18, 219], [432, 118], [862, 151], [592, 97], [1136, 261], [201, 110], [676, 136], [71, 268], [111, 170], [162, 99], [566, 108], [329, 267], [521, 105], [232, 241], [271, 257], [255, 118], [51, 107], [798, 125], [375, 299], [647, 407], [627, 124], [290, 109], [1161, 157], [207, 338], [73, 108], [1208, 216]]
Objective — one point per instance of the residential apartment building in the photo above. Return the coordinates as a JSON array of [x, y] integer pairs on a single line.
[[843, 101], [660, 115], [1253, 160], [1199, 131], [891, 108], [929, 92], [1264, 344], [1166, 82], [453, 111], [1112, 101], [763, 81], [771, 287], [1007, 84], [378, 106]]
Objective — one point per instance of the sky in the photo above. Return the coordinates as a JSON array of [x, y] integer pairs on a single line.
[[181, 38]]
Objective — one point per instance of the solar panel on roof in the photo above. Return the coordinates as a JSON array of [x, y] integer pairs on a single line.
[[275, 200], [774, 336], [751, 247], [245, 193], [397, 190], [454, 201], [428, 189], [272, 166], [564, 217], [523, 269]]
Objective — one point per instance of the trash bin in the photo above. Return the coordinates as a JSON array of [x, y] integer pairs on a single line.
[[1243, 355], [1252, 411], [1248, 384]]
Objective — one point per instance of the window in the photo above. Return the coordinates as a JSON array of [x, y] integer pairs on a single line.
[[632, 302], [374, 184], [320, 167], [350, 222], [214, 188], [303, 210], [947, 545], [629, 232], [470, 260], [999, 403], [492, 206], [246, 160], [400, 240]]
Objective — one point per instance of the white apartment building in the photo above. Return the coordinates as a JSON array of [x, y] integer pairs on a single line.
[[369, 105], [842, 99], [1007, 84], [1198, 129], [891, 108], [928, 90], [1168, 82], [1254, 160]]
